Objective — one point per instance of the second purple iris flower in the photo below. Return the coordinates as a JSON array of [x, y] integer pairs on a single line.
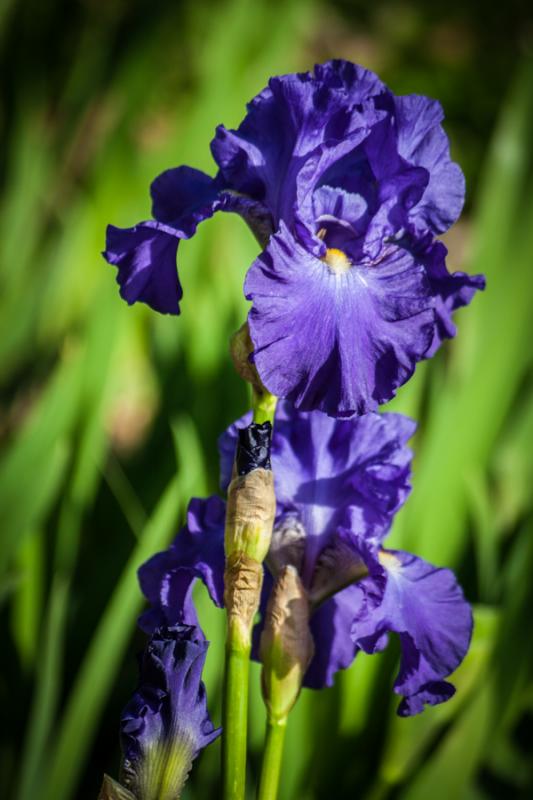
[[338, 485]]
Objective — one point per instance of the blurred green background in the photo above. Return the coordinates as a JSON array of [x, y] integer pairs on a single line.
[[109, 415]]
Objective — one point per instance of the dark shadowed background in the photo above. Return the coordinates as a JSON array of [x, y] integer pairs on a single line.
[[109, 415]]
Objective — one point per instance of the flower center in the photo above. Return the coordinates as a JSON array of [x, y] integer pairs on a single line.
[[337, 261]]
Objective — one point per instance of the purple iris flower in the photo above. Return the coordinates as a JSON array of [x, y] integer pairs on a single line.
[[338, 485], [166, 723], [352, 289], [345, 186]]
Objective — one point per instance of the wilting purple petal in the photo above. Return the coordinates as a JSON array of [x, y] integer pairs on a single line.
[[426, 607], [145, 255], [166, 723], [146, 259]]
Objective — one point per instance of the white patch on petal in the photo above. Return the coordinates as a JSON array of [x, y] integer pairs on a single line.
[[390, 562]]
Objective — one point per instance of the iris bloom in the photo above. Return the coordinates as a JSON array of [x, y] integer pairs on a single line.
[[345, 186], [166, 723], [338, 485]]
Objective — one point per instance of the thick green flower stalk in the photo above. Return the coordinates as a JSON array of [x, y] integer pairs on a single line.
[[286, 650], [249, 520]]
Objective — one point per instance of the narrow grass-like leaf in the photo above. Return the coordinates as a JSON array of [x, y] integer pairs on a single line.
[[355, 686], [27, 601], [95, 677], [97, 359], [46, 696], [513, 466], [125, 495], [32, 469], [463, 747], [409, 739]]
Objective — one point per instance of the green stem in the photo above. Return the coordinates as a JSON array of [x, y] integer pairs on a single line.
[[271, 770], [264, 406], [235, 715], [238, 646]]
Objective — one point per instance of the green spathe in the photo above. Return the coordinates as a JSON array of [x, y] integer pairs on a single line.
[[286, 644], [250, 514], [164, 769]]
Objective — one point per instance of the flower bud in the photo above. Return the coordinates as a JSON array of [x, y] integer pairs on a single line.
[[250, 515], [166, 723], [243, 578], [251, 500], [286, 646]]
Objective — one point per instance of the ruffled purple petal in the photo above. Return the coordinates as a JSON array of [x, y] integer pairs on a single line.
[[166, 723], [426, 607], [400, 185], [146, 259], [423, 142], [341, 341], [451, 291], [291, 117], [326, 161], [358, 83], [373, 170], [197, 552]]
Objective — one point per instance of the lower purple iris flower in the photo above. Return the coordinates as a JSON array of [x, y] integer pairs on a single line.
[[166, 723], [338, 485]]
